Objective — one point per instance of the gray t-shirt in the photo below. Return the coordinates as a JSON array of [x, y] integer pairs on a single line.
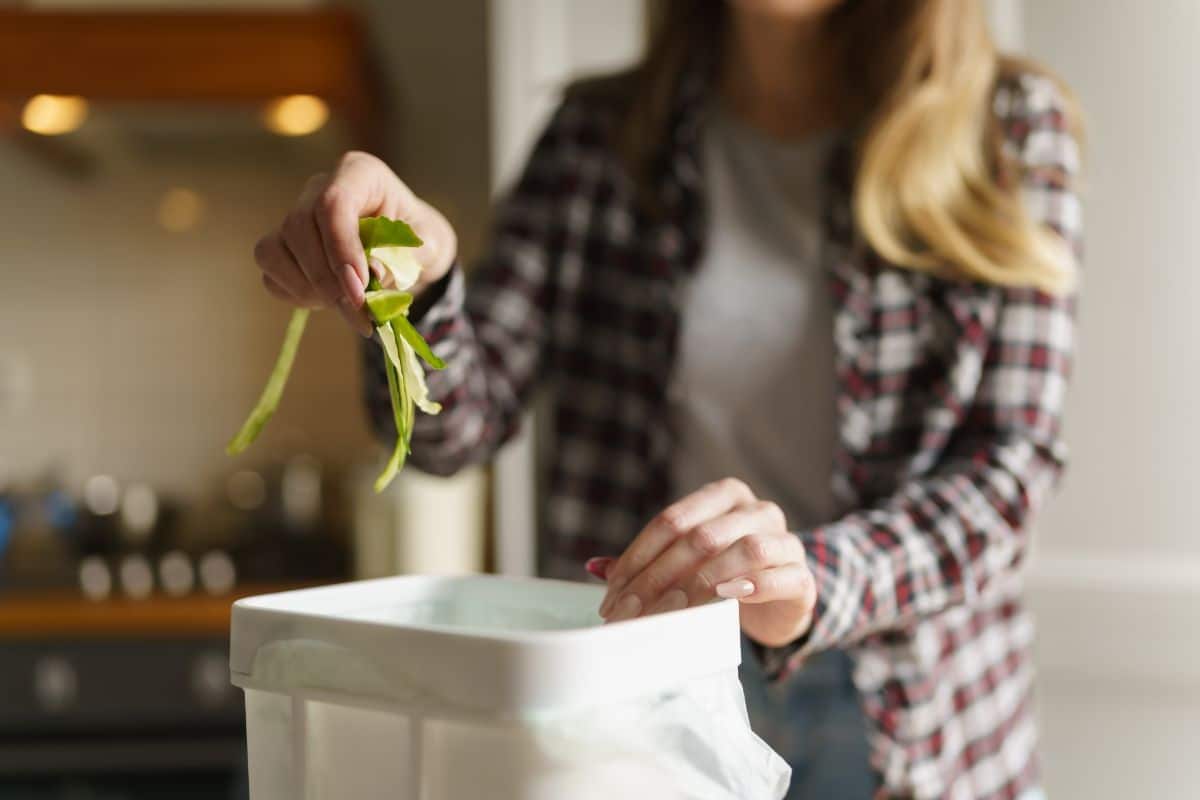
[[753, 391]]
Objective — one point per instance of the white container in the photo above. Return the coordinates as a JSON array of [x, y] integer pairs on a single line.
[[389, 527], [449, 688]]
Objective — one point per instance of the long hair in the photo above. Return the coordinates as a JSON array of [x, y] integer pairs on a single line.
[[933, 188]]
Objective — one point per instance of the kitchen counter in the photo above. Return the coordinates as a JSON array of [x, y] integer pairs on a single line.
[[68, 614], [119, 687]]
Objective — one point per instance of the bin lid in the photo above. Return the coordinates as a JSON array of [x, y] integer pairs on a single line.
[[470, 645]]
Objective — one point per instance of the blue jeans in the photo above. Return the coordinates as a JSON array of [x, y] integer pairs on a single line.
[[813, 719]]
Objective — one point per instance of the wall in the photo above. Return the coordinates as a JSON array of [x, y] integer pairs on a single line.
[[144, 348], [1134, 71], [537, 46], [434, 62], [1116, 582]]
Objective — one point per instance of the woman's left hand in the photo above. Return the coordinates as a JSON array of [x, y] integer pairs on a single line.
[[719, 541]]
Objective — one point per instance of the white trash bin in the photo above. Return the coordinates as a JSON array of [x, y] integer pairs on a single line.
[[458, 688]]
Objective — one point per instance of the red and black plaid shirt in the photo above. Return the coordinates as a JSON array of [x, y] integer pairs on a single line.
[[949, 397]]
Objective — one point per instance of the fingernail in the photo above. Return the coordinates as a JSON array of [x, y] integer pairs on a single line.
[[354, 286], [735, 589], [598, 566], [628, 607], [674, 600], [610, 597]]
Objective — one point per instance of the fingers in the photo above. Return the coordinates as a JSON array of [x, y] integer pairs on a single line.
[[792, 581], [317, 257], [302, 238], [441, 243], [276, 263], [732, 575], [320, 236], [717, 542], [360, 187], [363, 186], [779, 606], [706, 503], [726, 574], [337, 222], [278, 291], [777, 602], [673, 600]]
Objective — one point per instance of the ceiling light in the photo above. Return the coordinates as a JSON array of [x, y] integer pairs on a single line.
[[52, 114], [295, 115]]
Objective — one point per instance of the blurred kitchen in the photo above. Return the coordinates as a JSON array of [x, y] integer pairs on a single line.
[[144, 147]]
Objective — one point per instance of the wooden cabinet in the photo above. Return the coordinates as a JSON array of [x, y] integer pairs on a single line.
[[187, 57]]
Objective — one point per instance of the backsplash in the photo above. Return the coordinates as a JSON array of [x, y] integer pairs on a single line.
[[137, 352]]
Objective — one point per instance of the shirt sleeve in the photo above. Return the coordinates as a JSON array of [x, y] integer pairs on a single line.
[[938, 541], [489, 327]]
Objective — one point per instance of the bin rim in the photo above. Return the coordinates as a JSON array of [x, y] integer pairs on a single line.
[[491, 670]]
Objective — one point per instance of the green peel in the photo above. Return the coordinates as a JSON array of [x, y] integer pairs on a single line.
[[383, 232], [269, 400], [405, 330], [390, 243], [386, 305], [399, 403]]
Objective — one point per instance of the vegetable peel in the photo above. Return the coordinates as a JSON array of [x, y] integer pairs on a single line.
[[387, 304], [389, 242], [269, 400]]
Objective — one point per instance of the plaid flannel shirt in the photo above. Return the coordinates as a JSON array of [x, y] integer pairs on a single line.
[[949, 397]]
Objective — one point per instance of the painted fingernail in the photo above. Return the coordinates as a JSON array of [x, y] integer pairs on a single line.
[[735, 589], [674, 600], [598, 566], [628, 607]]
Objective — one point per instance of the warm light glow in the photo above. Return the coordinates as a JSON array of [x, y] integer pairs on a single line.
[[180, 210], [295, 115], [52, 114]]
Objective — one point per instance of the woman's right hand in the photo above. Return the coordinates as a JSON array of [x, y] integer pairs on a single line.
[[314, 258]]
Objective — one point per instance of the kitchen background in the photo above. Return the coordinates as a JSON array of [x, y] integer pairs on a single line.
[[134, 336]]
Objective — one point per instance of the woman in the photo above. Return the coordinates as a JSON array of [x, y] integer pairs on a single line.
[[808, 269]]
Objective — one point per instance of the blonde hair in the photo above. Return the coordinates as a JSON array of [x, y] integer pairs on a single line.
[[934, 191]]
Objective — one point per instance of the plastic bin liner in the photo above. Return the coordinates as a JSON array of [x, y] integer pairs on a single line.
[[691, 744], [377, 700]]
